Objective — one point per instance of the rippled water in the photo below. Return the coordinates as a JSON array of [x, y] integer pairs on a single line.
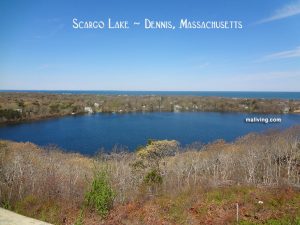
[[88, 133]]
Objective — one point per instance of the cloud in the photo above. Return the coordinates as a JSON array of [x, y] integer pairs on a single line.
[[288, 10], [282, 55]]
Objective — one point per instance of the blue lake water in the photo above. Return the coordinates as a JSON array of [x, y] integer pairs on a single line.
[[88, 133], [229, 94]]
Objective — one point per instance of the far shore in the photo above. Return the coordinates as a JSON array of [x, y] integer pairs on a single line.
[[18, 107]]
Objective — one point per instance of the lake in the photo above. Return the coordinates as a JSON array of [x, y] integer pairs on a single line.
[[88, 133]]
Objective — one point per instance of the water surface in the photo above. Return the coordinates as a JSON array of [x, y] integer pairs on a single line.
[[88, 133]]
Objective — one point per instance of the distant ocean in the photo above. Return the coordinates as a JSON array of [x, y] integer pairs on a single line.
[[230, 94]]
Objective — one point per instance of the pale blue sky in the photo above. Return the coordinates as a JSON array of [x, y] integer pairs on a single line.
[[41, 50]]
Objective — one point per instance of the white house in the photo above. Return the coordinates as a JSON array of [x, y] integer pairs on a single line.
[[88, 109]]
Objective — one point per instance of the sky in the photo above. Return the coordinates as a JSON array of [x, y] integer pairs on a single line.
[[40, 50]]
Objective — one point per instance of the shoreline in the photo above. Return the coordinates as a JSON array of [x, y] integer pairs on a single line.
[[18, 107]]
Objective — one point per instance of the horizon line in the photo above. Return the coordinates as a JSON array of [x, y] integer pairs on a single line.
[[11, 90]]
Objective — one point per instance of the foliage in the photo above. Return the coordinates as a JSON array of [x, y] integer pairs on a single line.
[[101, 195], [38, 208], [138, 165], [42, 105], [21, 104], [158, 149], [54, 108], [153, 177], [6, 205], [10, 114]]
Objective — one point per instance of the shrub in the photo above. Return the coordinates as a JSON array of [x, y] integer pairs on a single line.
[[153, 177], [158, 149], [54, 108], [6, 205], [101, 195], [10, 114], [138, 165], [152, 182], [45, 210]]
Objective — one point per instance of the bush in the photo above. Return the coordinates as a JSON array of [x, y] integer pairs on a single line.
[[155, 150], [153, 177], [152, 182], [6, 205], [10, 114], [101, 195], [54, 108], [45, 210]]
